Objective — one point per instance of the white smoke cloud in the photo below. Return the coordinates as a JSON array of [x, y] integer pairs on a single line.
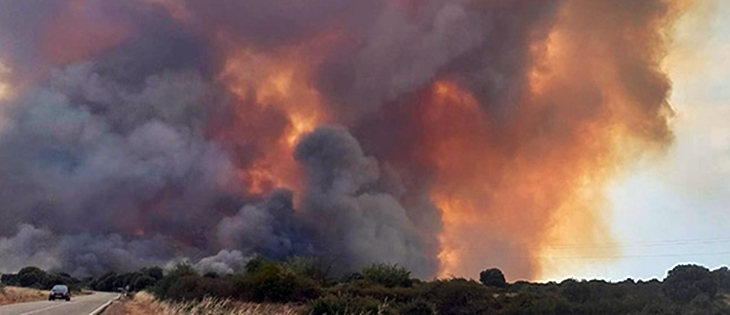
[[225, 262]]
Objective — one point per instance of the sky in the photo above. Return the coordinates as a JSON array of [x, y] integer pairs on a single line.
[[674, 209]]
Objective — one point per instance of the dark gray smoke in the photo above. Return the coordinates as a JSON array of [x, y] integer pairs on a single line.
[[348, 209], [80, 254], [271, 228], [107, 163], [107, 159]]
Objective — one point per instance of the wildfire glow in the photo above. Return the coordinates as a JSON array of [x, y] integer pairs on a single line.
[[276, 89], [509, 179], [489, 129], [279, 83]]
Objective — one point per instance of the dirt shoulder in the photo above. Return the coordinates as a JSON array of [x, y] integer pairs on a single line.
[[12, 295], [143, 304]]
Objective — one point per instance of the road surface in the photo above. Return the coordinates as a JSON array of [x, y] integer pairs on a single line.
[[79, 305]]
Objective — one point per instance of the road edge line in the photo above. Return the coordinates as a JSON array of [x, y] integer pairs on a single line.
[[103, 306]]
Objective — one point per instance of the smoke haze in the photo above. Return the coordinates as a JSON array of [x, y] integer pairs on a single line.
[[443, 135]]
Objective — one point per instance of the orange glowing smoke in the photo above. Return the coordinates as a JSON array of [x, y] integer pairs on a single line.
[[593, 98], [509, 189], [274, 93], [504, 190]]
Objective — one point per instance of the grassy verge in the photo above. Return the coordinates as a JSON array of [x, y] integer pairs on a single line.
[[145, 304], [12, 295]]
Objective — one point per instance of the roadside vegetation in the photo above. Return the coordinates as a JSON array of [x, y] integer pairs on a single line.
[[304, 286], [146, 304], [12, 295], [33, 277]]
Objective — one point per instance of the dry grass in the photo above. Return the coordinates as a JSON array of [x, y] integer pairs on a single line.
[[145, 304], [12, 295]]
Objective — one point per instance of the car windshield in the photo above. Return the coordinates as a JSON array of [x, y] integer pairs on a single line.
[[59, 288]]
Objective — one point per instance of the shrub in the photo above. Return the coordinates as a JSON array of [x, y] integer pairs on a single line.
[[574, 291], [338, 305], [306, 289], [380, 292], [308, 267], [329, 305], [387, 275], [418, 308], [172, 281], [460, 296], [272, 282], [253, 265], [352, 277]]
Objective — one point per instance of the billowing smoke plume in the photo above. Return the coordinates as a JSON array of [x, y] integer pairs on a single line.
[[442, 135]]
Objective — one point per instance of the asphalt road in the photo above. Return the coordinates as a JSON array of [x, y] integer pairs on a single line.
[[79, 305]]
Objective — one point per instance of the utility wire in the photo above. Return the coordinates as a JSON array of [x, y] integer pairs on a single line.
[[674, 242], [634, 256], [618, 244], [565, 247]]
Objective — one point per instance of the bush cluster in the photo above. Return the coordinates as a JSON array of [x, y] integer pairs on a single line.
[[686, 290], [130, 282], [264, 281], [34, 277]]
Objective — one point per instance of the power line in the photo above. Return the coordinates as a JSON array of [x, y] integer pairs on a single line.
[[619, 244], [631, 256], [673, 242]]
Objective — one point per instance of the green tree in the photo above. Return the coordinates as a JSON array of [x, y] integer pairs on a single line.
[[32, 277], [493, 277], [154, 273], [142, 282], [685, 282]]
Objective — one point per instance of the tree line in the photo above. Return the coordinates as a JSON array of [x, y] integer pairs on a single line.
[[390, 289]]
